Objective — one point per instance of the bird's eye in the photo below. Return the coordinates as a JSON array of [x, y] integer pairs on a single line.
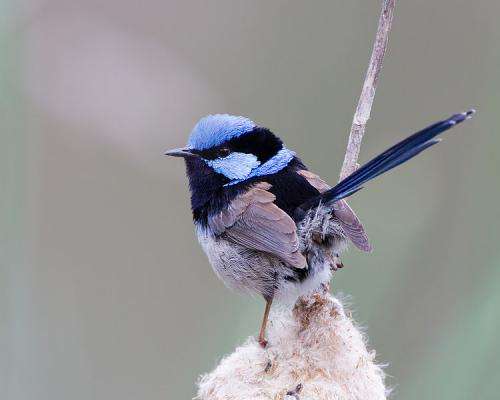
[[224, 152]]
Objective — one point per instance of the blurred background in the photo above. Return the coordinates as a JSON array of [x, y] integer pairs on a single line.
[[104, 291]]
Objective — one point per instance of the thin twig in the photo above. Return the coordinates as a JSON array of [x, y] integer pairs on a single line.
[[362, 114]]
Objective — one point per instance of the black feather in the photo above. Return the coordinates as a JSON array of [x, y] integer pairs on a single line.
[[260, 142], [389, 159], [209, 195]]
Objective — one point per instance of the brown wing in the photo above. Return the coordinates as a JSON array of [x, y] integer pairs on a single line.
[[254, 221], [350, 222]]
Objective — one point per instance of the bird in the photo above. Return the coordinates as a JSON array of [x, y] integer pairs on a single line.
[[268, 225]]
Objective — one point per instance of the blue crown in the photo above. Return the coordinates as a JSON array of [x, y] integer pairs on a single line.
[[213, 130]]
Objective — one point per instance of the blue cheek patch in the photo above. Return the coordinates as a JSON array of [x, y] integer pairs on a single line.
[[271, 166], [236, 166]]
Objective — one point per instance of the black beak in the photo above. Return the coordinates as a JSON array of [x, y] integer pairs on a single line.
[[180, 152]]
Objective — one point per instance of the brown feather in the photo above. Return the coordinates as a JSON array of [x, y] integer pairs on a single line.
[[254, 221]]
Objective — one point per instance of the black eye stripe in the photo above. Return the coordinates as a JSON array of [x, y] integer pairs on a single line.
[[209, 154], [260, 142]]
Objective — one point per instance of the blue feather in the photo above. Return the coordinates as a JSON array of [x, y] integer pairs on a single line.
[[236, 166], [389, 159], [271, 166], [213, 130]]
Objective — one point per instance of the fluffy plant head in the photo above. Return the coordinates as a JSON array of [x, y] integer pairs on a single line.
[[315, 352], [213, 130]]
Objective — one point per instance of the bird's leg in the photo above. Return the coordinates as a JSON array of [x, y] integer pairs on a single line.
[[262, 333], [338, 262]]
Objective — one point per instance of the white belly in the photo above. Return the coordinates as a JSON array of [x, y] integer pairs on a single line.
[[254, 272]]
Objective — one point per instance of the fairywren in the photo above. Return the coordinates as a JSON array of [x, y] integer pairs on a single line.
[[267, 224]]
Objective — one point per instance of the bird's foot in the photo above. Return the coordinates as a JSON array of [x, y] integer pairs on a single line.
[[335, 262], [317, 237], [263, 343]]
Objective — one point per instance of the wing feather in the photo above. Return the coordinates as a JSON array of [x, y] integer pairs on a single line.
[[253, 220]]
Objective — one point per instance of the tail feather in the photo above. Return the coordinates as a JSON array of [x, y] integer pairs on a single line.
[[389, 159]]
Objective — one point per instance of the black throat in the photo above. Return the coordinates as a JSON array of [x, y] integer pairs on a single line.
[[209, 195]]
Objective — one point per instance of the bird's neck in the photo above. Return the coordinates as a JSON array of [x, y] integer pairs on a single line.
[[211, 194], [203, 182]]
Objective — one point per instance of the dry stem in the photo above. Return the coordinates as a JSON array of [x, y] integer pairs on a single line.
[[362, 114]]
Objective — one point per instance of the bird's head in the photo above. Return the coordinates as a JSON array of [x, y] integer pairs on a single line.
[[228, 149]]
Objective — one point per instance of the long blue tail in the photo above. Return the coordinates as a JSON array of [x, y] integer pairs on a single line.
[[389, 159]]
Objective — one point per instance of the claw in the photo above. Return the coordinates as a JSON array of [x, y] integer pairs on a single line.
[[336, 263]]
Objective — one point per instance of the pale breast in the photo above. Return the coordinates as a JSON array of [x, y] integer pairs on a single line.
[[255, 272], [241, 269]]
